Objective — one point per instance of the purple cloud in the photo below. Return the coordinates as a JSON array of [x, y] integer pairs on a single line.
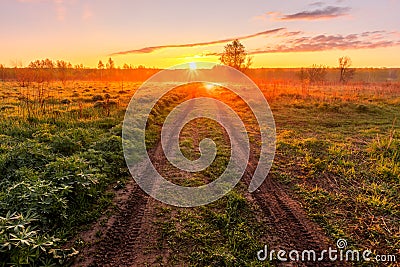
[[324, 42], [328, 12]]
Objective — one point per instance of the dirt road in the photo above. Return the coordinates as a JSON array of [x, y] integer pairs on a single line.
[[117, 240]]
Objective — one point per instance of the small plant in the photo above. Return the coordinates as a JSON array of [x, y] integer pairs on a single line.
[[22, 243]]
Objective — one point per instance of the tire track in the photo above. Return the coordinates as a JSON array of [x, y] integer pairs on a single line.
[[290, 226], [116, 248], [121, 232]]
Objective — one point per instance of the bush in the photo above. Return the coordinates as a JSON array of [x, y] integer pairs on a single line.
[[98, 104], [66, 101], [97, 98], [29, 154]]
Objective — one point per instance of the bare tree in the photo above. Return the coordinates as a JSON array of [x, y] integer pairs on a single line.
[[346, 73], [22, 75], [235, 56], [317, 73], [63, 71], [100, 66], [303, 77], [111, 68], [2, 72], [313, 74], [43, 69], [110, 64]]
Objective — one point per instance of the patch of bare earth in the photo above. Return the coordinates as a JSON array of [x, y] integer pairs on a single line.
[[130, 238]]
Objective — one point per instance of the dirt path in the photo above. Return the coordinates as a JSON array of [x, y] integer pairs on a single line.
[[119, 232], [290, 228], [128, 231]]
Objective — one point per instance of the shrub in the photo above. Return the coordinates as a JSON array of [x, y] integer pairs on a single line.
[[66, 101], [97, 98], [98, 104]]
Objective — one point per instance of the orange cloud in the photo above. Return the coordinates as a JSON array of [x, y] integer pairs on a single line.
[[155, 48]]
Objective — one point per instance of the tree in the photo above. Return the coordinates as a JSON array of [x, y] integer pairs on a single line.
[[313, 74], [2, 72], [316, 73], [346, 73], [100, 66], [235, 56], [63, 71], [43, 70], [23, 75], [110, 64]]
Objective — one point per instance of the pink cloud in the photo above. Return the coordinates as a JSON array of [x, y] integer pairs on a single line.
[[324, 42], [151, 49]]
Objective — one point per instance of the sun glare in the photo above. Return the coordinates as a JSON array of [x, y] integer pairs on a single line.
[[192, 66], [209, 86]]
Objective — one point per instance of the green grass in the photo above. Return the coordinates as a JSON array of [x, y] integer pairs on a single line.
[[224, 233], [337, 153], [227, 232], [342, 162], [55, 171]]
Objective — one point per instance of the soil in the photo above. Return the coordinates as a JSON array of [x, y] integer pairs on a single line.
[[128, 234]]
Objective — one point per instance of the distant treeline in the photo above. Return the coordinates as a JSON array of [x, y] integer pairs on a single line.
[[41, 71], [27, 75], [330, 74]]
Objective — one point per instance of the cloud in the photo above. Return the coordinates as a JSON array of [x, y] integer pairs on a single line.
[[151, 49], [317, 4], [324, 42], [329, 12], [289, 34], [284, 41]]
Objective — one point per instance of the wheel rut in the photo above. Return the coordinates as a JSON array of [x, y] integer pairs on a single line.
[[289, 227]]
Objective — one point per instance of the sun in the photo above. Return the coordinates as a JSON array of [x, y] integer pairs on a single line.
[[209, 86], [192, 66]]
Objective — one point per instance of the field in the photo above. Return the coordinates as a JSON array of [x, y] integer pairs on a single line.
[[66, 196]]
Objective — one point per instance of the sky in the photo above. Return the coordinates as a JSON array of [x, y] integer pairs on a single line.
[[163, 33]]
